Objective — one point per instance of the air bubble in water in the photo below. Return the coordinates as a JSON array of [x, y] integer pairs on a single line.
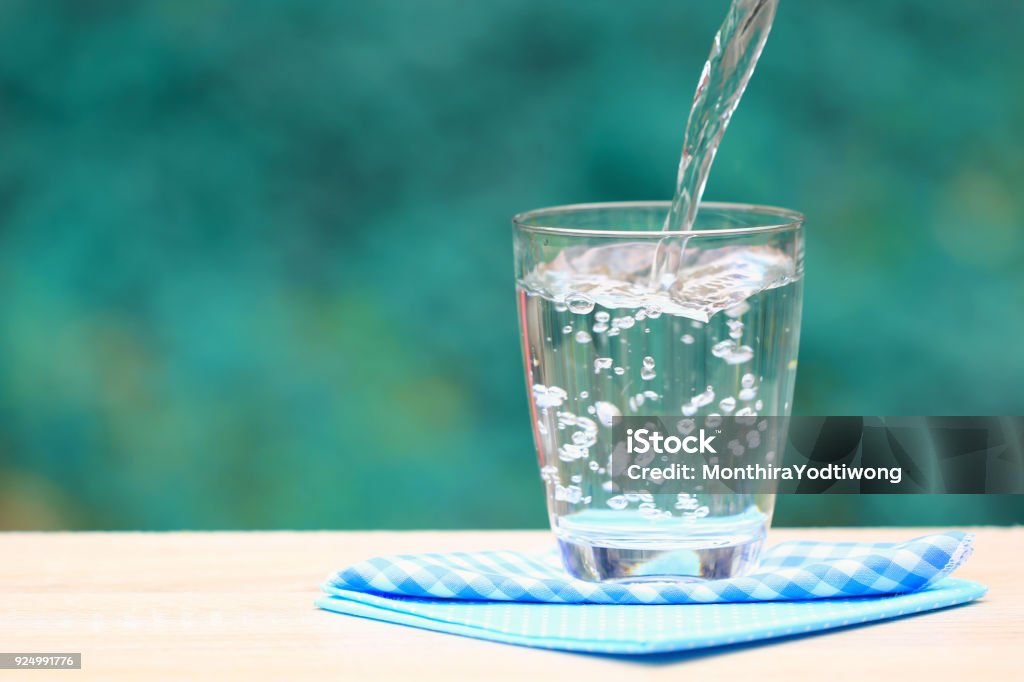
[[687, 339], [618, 502], [732, 353], [571, 494], [600, 328], [570, 453], [594, 466], [723, 348], [548, 396], [647, 509], [705, 398], [727, 404], [606, 412], [601, 363], [735, 329], [747, 393], [619, 371], [647, 372], [584, 394], [624, 322], [567, 329], [686, 502], [576, 478], [653, 312], [586, 437], [582, 337], [579, 304], [602, 316], [747, 380]]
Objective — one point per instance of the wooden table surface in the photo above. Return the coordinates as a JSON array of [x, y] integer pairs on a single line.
[[240, 606]]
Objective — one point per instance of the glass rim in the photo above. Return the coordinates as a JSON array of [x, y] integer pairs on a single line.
[[785, 219]]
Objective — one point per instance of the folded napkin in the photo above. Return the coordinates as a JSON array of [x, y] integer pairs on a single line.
[[528, 599], [791, 570]]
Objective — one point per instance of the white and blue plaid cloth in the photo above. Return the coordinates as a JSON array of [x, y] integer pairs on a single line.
[[789, 571], [800, 588]]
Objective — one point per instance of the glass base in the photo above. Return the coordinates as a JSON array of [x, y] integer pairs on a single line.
[[658, 564]]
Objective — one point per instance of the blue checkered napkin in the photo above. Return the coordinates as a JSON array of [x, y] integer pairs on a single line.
[[790, 571], [628, 630]]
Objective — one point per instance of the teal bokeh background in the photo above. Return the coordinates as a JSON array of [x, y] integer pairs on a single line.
[[255, 257]]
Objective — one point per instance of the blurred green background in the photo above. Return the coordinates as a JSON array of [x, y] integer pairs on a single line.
[[255, 257]]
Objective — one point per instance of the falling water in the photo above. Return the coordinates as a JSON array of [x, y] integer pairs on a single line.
[[734, 55]]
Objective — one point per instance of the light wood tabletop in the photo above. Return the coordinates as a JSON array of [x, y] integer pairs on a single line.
[[240, 606]]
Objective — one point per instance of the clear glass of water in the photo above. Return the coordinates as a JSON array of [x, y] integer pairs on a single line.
[[620, 318]]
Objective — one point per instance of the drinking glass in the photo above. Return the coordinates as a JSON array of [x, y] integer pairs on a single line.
[[619, 318]]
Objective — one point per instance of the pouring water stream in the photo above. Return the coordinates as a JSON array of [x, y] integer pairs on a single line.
[[734, 54]]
